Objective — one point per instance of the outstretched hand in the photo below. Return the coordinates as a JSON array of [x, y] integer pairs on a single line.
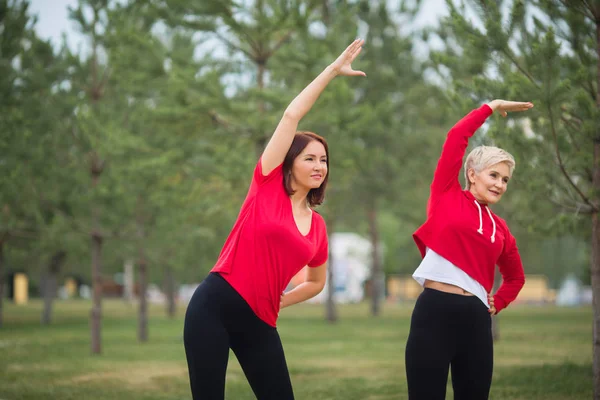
[[504, 107], [343, 64]]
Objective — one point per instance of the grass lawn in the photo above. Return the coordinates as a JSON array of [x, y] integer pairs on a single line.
[[544, 353]]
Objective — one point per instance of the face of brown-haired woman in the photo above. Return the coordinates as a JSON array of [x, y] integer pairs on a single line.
[[310, 167]]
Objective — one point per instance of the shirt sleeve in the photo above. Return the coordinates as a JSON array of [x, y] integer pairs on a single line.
[[274, 176]]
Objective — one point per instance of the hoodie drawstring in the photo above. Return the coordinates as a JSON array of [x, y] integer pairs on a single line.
[[480, 230], [493, 237]]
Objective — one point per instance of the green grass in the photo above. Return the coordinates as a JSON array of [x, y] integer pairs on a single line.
[[544, 353]]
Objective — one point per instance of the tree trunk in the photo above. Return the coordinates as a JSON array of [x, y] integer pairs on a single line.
[[326, 13], [376, 259], [170, 292], [596, 288], [96, 165], [1, 280], [50, 284], [128, 281], [595, 267], [330, 309], [96, 168], [96, 312], [143, 284]]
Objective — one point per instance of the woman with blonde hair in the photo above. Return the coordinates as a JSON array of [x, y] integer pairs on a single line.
[[461, 243]]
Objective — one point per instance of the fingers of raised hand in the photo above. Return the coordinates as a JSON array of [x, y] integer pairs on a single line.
[[352, 47], [356, 48], [357, 73], [515, 106]]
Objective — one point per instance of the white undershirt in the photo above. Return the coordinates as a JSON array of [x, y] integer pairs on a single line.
[[436, 268]]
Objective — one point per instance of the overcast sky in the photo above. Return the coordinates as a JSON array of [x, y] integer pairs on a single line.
[[53, 19]]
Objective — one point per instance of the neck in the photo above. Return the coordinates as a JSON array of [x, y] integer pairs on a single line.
[[474, 193], [299, 199]]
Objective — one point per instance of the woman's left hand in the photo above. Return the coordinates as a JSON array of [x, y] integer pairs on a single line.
[[492, 309], [343, 64]]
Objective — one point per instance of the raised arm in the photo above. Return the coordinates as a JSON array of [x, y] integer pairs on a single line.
[[450, 162], [283, 136], [448, 167]]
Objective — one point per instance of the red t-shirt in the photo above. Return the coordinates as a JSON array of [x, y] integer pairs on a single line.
[[265, 249]]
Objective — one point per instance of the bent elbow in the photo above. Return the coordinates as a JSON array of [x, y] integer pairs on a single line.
[[291, 115]]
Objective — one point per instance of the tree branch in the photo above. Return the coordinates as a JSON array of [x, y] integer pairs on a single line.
[[562, 166], [587, 7], [77, 227], [578, 208], [217, 119], [280, 43], [24, 234], [231, 22], [570, 124], [232, 45], [512, 58], [570, 114]]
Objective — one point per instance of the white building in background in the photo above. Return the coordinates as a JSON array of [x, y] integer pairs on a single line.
[[351, 254], [570, 292]]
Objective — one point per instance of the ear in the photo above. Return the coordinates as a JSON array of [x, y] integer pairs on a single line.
[[471, 175]]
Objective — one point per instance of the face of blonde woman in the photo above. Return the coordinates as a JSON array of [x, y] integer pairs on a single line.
[[489, 185], [310, 167]]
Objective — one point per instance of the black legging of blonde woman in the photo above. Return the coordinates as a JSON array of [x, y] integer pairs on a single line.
[[449, 331]]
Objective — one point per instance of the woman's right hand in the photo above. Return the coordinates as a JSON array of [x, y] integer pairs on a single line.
[[504, 107], [343, 64]]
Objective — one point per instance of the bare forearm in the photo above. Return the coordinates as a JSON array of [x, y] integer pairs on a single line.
[[307, 98], [301, 293], [283, 136]]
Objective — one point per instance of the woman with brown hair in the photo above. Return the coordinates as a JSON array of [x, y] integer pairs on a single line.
[[276, 234]]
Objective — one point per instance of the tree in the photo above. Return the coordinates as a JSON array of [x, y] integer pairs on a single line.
[[31, 105], [547, 52], [393, 125], [96, 131]]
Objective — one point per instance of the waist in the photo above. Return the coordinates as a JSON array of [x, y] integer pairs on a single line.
[[446, 287]]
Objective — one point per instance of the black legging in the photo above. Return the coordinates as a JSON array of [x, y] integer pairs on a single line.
[[449, 330], [217, 319]]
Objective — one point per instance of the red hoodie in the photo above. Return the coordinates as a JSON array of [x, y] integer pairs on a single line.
[[462, 230]]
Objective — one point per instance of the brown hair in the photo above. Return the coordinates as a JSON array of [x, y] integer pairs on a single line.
[[301, 140]]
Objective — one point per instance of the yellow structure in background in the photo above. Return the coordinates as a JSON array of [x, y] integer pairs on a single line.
[[403, 288], [535, 290], [21, 289], [71, 287]]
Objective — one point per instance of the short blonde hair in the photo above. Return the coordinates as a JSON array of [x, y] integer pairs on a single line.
[[483, 157]]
